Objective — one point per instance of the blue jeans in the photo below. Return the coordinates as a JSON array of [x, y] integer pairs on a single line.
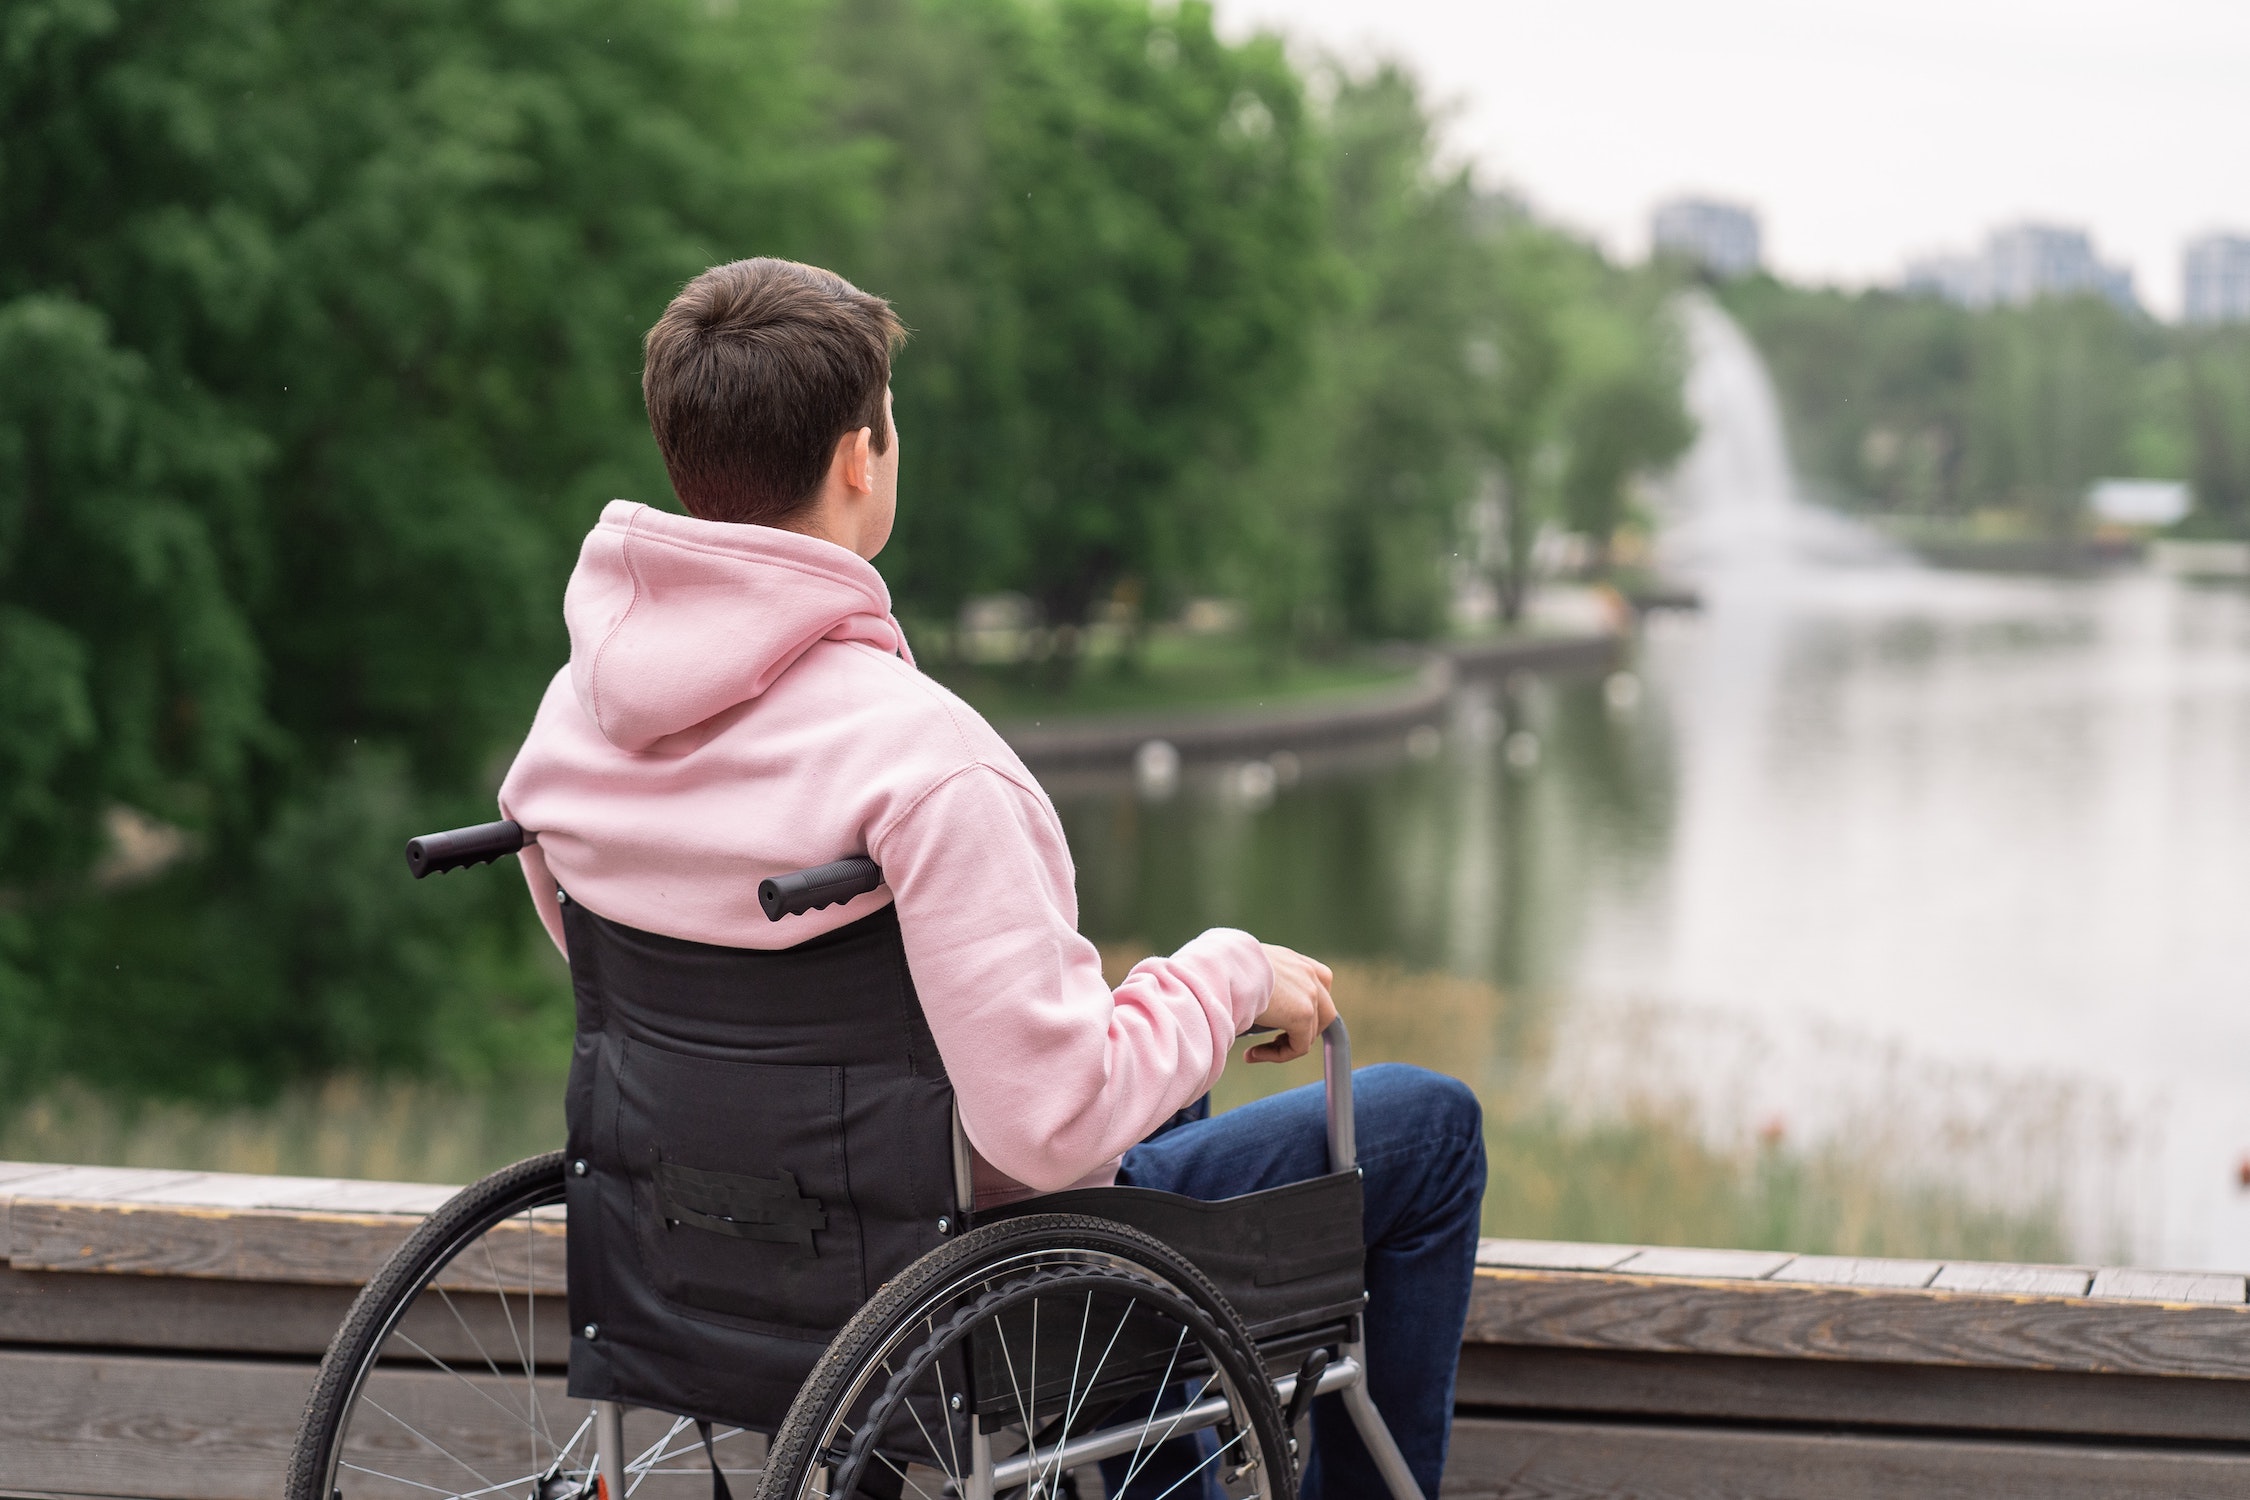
[[1421, 1150]]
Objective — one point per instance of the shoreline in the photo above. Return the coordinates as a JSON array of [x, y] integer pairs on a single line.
[[1110, 741]]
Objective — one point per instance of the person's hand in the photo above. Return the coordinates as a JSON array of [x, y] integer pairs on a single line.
[[1300, 1007]]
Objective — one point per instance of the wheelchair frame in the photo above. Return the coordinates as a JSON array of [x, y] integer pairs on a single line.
[[1346, 1375]]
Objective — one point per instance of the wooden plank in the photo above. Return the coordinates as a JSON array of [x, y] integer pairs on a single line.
[[172, 1429], [1552, 1255], [1499, 1380], [104, 1184], [1732, 1265], [351, 1197], [232, 1190], [2168, 1286], [2035, 1281], [220, 1189], [169, 1313], [245, 1244], [1791, 1320], [211, 1316], [1859, 1270], [1559, 1460], [123, 1425]]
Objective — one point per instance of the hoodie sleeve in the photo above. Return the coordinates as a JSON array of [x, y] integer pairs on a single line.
[[1055, 1073]]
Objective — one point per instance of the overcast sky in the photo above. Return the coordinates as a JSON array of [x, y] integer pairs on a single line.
[[1863, 131]]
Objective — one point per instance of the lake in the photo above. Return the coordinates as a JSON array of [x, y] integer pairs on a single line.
[[1951, 867]]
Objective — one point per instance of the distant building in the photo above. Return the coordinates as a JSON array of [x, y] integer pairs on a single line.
[[1956, 278], [2215, 277], [2139, 502], [2023, 263], [1720, 237]]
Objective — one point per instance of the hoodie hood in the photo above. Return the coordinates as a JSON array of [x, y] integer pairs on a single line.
[[675, 620]]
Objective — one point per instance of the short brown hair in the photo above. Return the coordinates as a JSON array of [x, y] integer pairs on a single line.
[[752, 375]]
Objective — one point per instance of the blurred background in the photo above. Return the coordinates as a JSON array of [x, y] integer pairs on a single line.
[[1877, 375]]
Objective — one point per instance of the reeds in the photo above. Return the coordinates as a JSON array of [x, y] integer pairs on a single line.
[[1624, 1126], [397, 1130], [1623, 1159]]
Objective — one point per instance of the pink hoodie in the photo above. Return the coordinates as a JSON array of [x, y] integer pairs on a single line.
[[739, 703]]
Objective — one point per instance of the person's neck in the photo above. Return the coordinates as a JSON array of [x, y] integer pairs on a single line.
[[830, 521]]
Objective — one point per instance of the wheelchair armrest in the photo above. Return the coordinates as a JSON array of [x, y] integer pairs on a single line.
[[1336, 1068]]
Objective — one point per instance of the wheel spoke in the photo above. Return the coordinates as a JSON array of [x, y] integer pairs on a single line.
[[1014, 1384], [654, 1454], [484, 1244], [470, 1333], [512, 1414], [531, 1335], [425, 1437], [945, 1405], [901, 1473], [1073, 1400], [392, 1478], [1208, 1459], [917, 1416], [1181, 1416], [1158, 1401]]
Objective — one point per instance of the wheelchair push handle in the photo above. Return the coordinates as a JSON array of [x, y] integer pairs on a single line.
[[459, 848], [822, 885], [1336, 1074]]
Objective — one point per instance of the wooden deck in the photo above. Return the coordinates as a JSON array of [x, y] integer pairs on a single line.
[[158, 1330]]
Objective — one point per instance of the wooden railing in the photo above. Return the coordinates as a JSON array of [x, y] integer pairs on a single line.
[[158, 1330]]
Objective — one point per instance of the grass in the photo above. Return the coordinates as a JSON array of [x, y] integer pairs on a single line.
[[1639, 1173], [1642, 1172], [396, 1130], [1173, 670]]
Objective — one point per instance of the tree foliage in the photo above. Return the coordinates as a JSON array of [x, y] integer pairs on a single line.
[[1101, 225], [1910, 405], [1472, 352], [319, 334]]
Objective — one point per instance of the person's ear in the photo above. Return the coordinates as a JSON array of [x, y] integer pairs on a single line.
[[855, 456]]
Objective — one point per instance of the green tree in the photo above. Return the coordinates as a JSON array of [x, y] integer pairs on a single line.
[[1622, 413], [318, 333], [2049, 405], [1352, 517], [1875, 386], [1473, 353], [1102, 226], [2217, 401]]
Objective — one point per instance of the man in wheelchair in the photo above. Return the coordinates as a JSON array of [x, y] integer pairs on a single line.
[[739, 703]]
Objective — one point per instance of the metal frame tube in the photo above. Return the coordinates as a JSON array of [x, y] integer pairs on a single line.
[[1343, 1156], [980, 1475], [1336, 1071], [609, 1447], [1095, 1446], [1381, 1446], [964, 1174]]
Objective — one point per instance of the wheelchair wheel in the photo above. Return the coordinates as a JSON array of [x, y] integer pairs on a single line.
[[1008, 1363], [447, 1378]]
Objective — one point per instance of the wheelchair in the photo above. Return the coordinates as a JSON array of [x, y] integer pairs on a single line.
[[771, 1270]]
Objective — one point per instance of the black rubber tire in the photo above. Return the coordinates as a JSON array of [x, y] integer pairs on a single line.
[[533, 1183], [791, 1452]]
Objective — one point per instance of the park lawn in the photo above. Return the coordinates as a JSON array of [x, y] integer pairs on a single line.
[[1175, 671]]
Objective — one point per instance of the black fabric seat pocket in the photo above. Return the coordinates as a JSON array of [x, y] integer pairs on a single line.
[[741, 1206]]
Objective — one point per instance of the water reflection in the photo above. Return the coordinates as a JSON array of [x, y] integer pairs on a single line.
[[1460, 861], [1954, 863]]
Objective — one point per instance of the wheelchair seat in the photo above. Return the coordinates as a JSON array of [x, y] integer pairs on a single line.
[[759, 1139]]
